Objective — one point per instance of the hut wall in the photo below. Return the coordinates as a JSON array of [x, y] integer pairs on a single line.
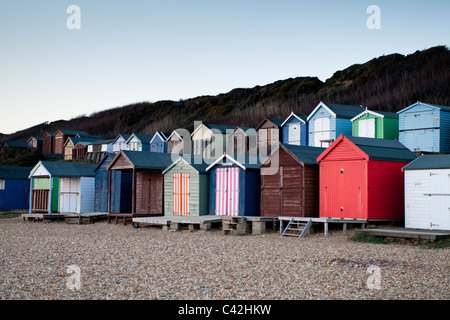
[[14, 195], [47, 144], [149, 192], [41, 188]]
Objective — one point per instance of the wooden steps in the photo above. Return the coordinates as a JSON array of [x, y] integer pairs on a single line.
[[297, 229]]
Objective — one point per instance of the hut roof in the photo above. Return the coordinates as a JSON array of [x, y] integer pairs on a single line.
[[430, 161], [145, 160], [305, 154], [16, 144], [67, 169], [376, 149], [14, 173], [243, 161]]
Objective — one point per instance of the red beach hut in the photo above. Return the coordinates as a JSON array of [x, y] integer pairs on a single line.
[[361, 178]]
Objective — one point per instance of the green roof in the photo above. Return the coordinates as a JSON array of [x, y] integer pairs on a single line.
[[220, 127], [430, 161], [14, 173]]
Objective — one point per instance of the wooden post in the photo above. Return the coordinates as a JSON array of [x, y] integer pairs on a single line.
[[133, 192], [31, 196], [50, 196], [325, 228], [109, 191]]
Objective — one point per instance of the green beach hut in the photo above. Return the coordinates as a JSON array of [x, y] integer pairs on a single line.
[[375, 124], [186, 187]]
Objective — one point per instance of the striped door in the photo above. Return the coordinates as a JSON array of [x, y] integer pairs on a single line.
[[181, 194], [227, 191]]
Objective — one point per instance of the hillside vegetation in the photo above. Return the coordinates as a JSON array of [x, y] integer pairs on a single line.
[[387, 83]]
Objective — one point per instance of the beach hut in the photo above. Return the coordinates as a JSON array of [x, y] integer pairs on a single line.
[[328, 121], [361, 178], [295, 129], [159, 142], [234, 186], [79, 151], [186, 187], [290, 182], [425, 127], [427, 192], [175, 143], [68, 187], [80, 143], [60, 137], [35, 143], [269, 135], [139, 142], [14, 188], [47, 143], [242, 141], [146, 183], [101, 146], [120, 191], [210, 140], [375, 124], [120, 142]]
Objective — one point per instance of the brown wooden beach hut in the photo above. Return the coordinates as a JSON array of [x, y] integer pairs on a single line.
[[146, 185], [290, 182]]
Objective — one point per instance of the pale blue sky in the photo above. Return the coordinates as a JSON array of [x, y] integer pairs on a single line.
[[132, 51]]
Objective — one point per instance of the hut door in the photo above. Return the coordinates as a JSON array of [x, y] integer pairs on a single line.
[[181, 194], [227, 191], [294, 133], [439, 199], [69, 195]]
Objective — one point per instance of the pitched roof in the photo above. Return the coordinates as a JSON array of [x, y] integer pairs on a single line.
[[430, 161], [339, 110], [97, 142], [85, 141], [144, 138], [383, 149], [146, 160], [14, 173], [376, 113], [300, 116], [67, 169], [444, 108], [107, 155], [305, 154], [345, 111], [220, 127], [35, 138], [243, 161], [196, 161], [74, 133], [125, 136], [16, 144], [277, 122]]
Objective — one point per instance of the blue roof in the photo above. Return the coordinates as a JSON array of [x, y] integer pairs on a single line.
[[146, 160]]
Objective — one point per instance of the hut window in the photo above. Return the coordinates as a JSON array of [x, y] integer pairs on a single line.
[[2, 184]]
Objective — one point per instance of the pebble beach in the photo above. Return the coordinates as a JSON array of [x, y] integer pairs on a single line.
[[125, 263]]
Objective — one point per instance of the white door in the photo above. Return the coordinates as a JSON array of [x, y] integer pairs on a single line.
[[321, 131], [294, 134], [366, 128], [69, 195], [440, 199]]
